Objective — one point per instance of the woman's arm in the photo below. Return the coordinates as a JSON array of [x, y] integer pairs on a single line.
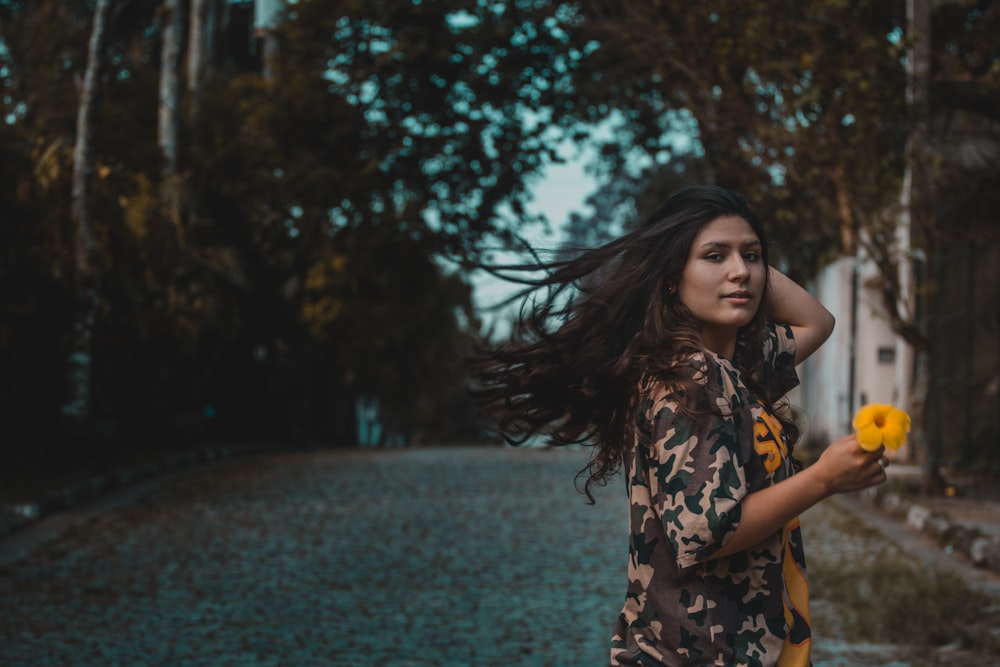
[[788, 302], [843, 467]]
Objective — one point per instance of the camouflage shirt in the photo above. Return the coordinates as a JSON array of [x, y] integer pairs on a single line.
[[686, 480]]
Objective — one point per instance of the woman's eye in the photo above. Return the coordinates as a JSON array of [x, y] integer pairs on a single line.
[[751, 256], [714, 257]]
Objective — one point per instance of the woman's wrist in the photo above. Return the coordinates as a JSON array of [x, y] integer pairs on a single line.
[[815, 477]]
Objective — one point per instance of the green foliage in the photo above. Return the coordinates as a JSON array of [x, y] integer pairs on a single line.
[[396, 323], [801, 107], [435, 104], [294, 263], [34, 299], [963, 159]]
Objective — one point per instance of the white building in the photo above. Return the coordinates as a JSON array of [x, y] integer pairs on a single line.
[[863, 362]]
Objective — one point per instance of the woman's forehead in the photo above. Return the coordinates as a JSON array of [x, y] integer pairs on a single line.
[[730, 230]]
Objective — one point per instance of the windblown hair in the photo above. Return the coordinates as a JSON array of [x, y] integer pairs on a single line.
[[579, 383]]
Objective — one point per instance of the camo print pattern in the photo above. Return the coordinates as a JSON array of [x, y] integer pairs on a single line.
[[686, 479]]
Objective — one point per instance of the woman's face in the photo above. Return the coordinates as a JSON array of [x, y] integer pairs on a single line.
[[723, 281]]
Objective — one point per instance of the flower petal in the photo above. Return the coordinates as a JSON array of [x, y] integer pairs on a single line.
[[900, 417], [870, 414], [870, 437], [864, 417], [897, 424], [893, 437]]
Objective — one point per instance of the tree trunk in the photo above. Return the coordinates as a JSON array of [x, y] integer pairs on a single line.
[[266, 13], [80, 365], [918, 366], [170, 58], [201, 47], [168, 118]]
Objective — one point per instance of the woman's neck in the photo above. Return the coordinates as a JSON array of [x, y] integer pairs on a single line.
[[720, 343]]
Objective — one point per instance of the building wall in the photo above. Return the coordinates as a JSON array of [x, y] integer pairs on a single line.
[[825, 402], [961, 419], [877, 346], [821, 401]]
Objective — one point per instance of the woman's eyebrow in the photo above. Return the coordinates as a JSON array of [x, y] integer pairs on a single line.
[[724, 244]]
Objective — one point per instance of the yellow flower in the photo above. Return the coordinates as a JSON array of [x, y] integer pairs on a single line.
[[881, 425]]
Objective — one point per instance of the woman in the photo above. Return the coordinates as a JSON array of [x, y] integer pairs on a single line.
[[671, 359]]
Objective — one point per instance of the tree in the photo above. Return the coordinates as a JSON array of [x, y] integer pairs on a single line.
[[957, 166], [86, 278], [380, 126], [799, 107], [394, 326], [275, 248], [172, 36], [438, 107], [201, 47], [400, 135], [803, 108]]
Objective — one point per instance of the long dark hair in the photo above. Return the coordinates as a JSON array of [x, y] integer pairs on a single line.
[[572, 368]]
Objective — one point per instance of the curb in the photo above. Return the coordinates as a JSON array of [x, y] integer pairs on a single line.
[[15, 516], [982, 549]]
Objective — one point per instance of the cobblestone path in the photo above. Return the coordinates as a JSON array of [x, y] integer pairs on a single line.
[[404, 558]]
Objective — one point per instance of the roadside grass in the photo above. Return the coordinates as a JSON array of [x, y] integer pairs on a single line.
[[898, 600], [891, 597]]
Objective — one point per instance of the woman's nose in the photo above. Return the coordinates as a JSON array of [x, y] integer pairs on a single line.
[[738, 269]]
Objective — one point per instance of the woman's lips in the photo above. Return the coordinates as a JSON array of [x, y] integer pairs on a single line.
[[739, 297]]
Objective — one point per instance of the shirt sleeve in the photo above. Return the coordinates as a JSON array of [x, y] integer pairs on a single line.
[[779, 360], [695, 477]]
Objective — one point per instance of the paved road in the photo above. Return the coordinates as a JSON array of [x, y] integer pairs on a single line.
[[406, 558]]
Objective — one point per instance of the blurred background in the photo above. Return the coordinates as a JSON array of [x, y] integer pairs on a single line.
[[228, 221]]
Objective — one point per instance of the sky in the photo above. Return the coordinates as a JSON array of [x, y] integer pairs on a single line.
[[561, 190]]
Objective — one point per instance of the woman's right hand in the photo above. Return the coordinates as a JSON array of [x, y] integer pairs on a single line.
[[845, 466]]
